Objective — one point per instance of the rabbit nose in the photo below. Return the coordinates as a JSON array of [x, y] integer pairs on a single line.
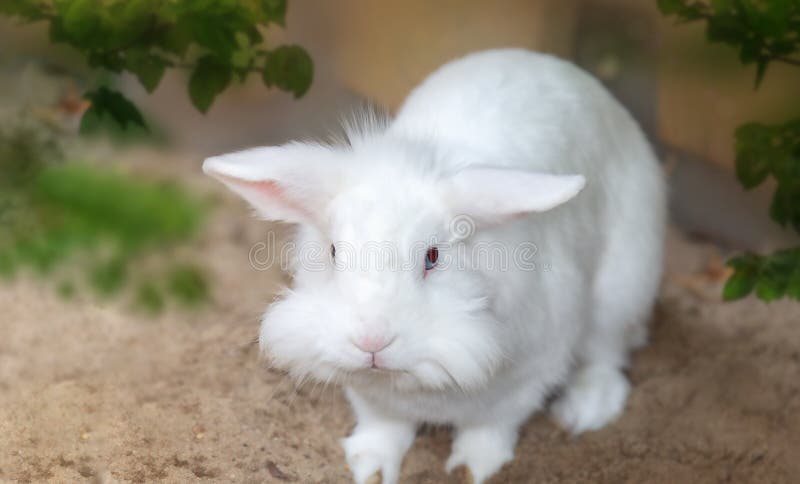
[[372, 343]]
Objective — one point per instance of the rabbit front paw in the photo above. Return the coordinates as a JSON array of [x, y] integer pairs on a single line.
[[375, 454], [595, 396], [482, 450]]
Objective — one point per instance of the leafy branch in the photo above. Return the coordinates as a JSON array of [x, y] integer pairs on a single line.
[[764, 152], [763, 32], [771, 277], [217, 40]]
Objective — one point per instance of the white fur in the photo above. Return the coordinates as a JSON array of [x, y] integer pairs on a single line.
[[507, 138]]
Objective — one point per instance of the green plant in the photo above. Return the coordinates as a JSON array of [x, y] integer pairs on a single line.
[[107, 224], [763, 31], [216, 40]]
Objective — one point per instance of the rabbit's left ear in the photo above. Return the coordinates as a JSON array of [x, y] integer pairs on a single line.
[[494, 195], [291, 183]]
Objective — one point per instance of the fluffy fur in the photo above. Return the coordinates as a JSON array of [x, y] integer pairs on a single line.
[[522, 149]]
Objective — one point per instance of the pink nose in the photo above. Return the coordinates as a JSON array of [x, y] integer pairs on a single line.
[[372, 344]]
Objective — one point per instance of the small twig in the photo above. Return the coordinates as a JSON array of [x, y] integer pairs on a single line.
[[788, 60], [190, 66]]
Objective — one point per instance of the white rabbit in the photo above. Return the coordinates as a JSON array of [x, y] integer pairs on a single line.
[[501, 238]]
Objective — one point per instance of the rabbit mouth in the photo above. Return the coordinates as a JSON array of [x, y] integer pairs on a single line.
[[380, 374], [381, 370]]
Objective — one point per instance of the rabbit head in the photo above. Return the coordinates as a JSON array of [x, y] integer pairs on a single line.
[[381, 290]]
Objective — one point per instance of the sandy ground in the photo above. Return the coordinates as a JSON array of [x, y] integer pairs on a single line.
[[90, 391]]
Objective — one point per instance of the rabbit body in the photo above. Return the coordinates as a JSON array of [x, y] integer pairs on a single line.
[[496, 152]]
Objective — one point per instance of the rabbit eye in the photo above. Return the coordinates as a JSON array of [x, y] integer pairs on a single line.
[[431, 258], [333, 251]]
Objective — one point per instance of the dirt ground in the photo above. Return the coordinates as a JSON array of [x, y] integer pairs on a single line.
[[90, 391]]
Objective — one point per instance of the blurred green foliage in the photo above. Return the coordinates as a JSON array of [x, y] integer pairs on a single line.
[[772, 277], [97, 219], [105, 102], [135, 212], [216, 40], [763, 31], [764, 152], [187, 284]]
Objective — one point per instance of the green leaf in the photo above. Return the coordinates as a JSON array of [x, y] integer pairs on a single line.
[[149, 69], [785, 206], [83, 21], [132, 21], [752, 167], [761, 69], [793, 284], [750, 50], [242, 40], [210, 77], [744, 262], [771, 276], [290, 68], [745, 276], [215, 34], [751, 172], [254, 35], [177, 38], [738, 286], [274, 11], [768, 289], [776, 271], [112, 61], [115, 105], [135, 10], [243, 57]]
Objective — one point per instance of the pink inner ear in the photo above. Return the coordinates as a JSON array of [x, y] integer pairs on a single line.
[[272, 190]]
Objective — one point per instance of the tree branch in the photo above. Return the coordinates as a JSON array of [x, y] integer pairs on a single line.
[[189, 66], [788, 60]]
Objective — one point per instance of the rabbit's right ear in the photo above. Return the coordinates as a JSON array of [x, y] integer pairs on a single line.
[[291, 183], [494, 195]]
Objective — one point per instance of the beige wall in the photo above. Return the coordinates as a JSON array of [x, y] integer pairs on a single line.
[[705, 93], [383, 48]]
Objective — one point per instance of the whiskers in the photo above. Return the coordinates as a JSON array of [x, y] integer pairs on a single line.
[[453, 380], [301, 381]]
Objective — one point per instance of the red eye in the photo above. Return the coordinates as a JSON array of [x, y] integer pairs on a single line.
[[431, 258]]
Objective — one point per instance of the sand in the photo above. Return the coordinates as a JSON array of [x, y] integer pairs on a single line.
[[92, 391]]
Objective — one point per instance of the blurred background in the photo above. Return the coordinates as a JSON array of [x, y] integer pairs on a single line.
[[688, 94], [127, 324]]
